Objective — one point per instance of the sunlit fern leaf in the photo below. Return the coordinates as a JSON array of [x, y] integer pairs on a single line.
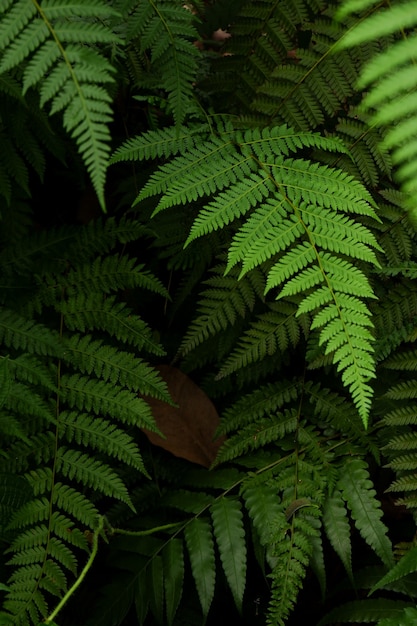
[[200, 545], [159, 143], [52, 49], [359, 493], [306, 202]]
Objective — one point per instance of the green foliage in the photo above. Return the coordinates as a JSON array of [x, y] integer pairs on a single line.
[[390, 78], [257, 240]]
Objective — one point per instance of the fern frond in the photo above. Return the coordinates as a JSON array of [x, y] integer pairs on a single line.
[[24, 334], [405, 566], [271, 332], [292, 558], [98, 434], [407, 618], [337, 527], [265, 510], [265, 401], [173, 566], [230, 536], [92, 356], [359, 493], [257, 435], [95, 474], [165, 32], [299, 219], [52, 49], [94, 395], [86, 313], [390, 77], [221, 304], [76, 504], [160, 143], [200, 545], [109, 274]]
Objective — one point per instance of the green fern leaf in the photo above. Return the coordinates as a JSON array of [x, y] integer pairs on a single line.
[[366, 611], [95, 433], [292, 557], [166, 32], [94, 395], [112, 365], [359, 493], [405, 566], [108, 274], [257, 435], [173, 562], [265, 510], [263, 402], [230, 536], [74, 503], [200, 545], [222, 303], [160, 143], [92, 473], [271, 332], [53, 50], [86, 313], [297, 219], [26, 335], [156, 588], [389, 78], [407, 618], [337, 527]]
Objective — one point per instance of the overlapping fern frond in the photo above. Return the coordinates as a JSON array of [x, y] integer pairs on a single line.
[[165, 33], [54, 47], [295, 215], [400, 423], [71, 401]]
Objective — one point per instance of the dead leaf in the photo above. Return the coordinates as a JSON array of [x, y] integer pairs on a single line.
[[189, 428]]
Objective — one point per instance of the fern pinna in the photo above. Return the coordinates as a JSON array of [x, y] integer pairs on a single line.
[[300, 219], [70, 410]]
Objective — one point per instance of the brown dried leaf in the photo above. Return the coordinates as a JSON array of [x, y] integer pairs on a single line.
[[190, 426]]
